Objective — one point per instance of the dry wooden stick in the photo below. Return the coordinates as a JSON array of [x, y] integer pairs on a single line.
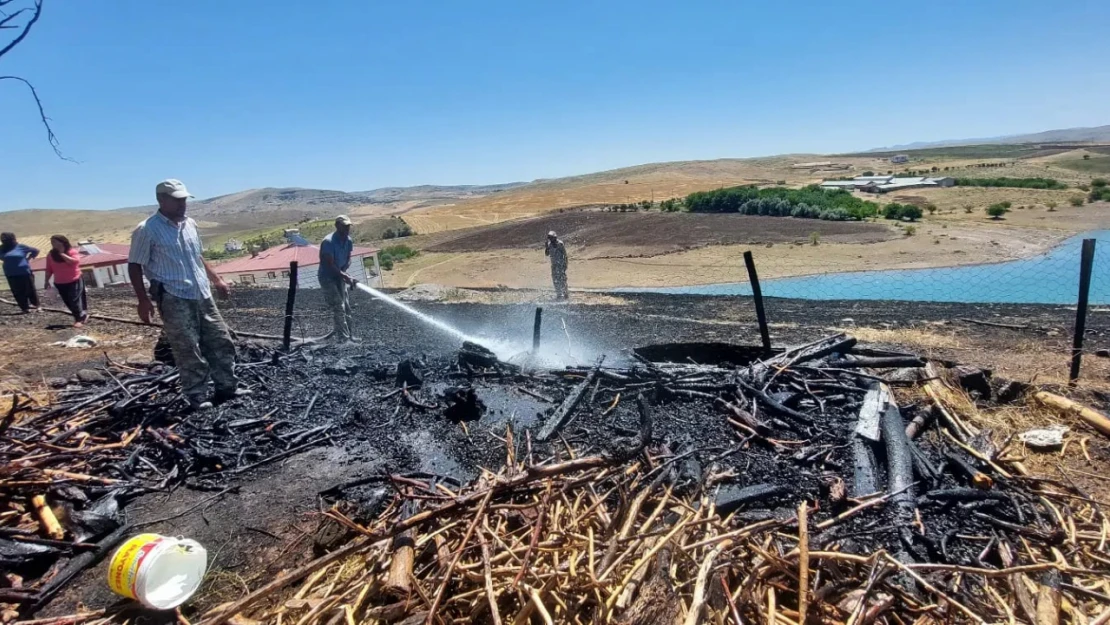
[[530, 606], [733, 611], [458, 554], [399, 579], [1063, 405], [693, 615], [537, 600], [491, 596], [50, 525], [644, 560], [537, 529], [803, 562], [1048, 600], [933, 589]]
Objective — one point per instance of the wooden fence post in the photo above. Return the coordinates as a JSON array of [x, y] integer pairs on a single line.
[[290, 299], [757, 295], [1086, 262], [536, 329]]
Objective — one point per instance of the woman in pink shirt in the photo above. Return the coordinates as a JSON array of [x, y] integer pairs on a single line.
[[64, 264]]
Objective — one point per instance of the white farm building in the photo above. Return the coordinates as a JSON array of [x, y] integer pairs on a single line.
[[885, 184]]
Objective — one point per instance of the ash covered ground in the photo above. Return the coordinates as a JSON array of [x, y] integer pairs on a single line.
[[337, 419]]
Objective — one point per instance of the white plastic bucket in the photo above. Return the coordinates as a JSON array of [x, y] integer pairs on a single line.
[[158, 571]]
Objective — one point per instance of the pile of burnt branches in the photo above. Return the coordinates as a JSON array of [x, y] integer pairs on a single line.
[[69, 467], [602, 538], [829, 483], [877, 513]]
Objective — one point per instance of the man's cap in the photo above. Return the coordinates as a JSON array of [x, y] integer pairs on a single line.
[[551, 233], [343, 219], [173, 188]]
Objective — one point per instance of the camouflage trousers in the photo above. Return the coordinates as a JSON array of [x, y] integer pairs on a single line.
[[559, 278], [200, 342], [338, 298]]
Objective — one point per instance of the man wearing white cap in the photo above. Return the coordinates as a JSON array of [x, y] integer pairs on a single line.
[[335, 260], [558, 254], [166, 249]]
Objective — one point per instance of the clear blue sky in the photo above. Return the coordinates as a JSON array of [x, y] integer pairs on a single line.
[[353, 95]]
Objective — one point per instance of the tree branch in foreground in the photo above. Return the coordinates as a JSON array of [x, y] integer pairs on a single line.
[[50, 136]]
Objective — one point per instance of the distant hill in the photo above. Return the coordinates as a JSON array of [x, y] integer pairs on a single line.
[[256, 207], [247, 210], [1096, 134], [105, 226]]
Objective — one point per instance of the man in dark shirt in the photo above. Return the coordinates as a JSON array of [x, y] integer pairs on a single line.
[[335, 260], [557, 251]]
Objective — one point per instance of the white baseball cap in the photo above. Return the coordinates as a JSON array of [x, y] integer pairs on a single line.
[[343, 219], [173, 188]]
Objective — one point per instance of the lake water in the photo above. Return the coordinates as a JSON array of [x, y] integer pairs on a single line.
[[1051, 278]]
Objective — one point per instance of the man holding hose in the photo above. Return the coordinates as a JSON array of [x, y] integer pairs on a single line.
[[335, 260]]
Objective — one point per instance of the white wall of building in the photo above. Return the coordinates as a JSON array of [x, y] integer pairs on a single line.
[[95, 277], [306, 276]]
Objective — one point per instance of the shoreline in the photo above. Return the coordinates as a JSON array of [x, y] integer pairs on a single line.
[[672, 290], [936, 244]]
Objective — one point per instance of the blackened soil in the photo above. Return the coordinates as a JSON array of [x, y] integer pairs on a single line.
[[352, 424], [662, 231]]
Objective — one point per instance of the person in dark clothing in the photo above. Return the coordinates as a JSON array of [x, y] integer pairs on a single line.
[[63, 263], [557, 251], [17, 270]]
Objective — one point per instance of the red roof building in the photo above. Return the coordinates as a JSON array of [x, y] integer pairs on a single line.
[[102, 264], [270, 267]]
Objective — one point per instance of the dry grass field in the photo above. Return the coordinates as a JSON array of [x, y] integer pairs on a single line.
[[657, 182], [669, 180], [104, 226]]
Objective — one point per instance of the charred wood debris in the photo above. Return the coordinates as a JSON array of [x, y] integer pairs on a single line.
[[827, 483]]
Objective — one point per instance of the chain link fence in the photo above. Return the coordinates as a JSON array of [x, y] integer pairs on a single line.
[[1048, 278]]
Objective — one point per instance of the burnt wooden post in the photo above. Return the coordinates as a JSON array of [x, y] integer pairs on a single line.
[[536, 329], [757, 295], [1086, 262], [290, 299]]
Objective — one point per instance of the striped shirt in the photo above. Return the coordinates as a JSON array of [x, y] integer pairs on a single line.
[[170, 253]]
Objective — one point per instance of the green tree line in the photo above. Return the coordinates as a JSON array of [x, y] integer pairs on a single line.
[[810, 202], [1017, 183]]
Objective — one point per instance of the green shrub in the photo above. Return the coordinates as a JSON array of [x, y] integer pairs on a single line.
[[996, 211], [1017, 183], [902, 211], [1076, 200], [1051, 206], [393, 254], [1099, 183], [814, 238], [1099, 194], [909, 230]]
